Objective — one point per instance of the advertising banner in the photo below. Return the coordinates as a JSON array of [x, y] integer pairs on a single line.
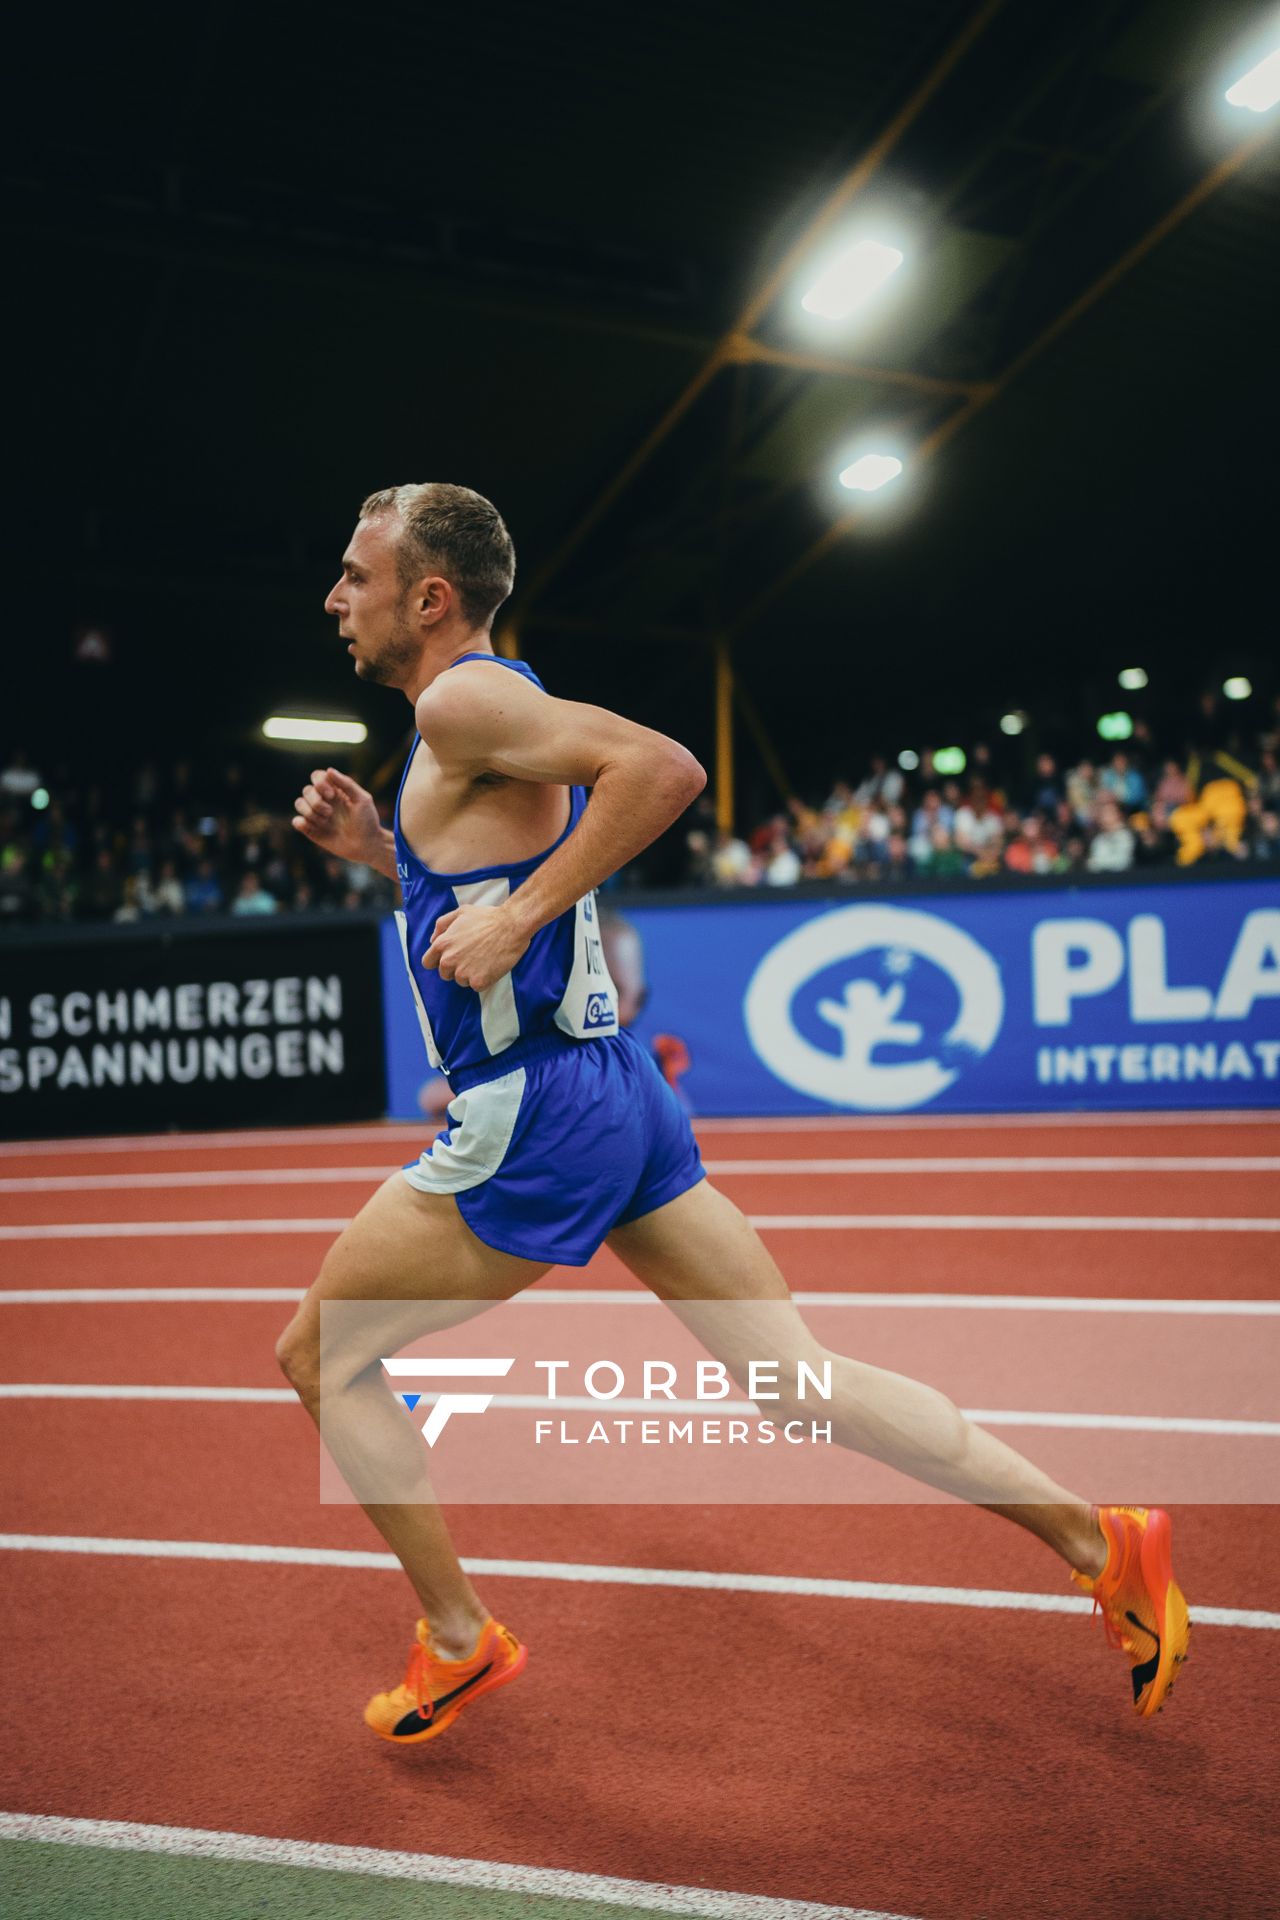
[[1110, 997], [215, 1025]]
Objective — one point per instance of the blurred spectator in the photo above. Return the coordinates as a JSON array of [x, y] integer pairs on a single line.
[[782, 867], [103, 889], [1173, 788], [1112, 848], [165, 893], [1031, 851], [979, 826], [130, 907], [1082, 792], [202, 892], [252, 896], [1124, 783], [18, 778], [1047, 795], [731, 862], [17, 894]]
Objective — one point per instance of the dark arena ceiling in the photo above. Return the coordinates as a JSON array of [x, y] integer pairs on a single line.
[[274, 257]]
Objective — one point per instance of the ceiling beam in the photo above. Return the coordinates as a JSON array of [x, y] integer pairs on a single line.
[[955, 423], [722, 354]]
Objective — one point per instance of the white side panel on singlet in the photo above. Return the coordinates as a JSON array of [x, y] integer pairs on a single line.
[[589, 1006], [433, 1051], [499, 1021]]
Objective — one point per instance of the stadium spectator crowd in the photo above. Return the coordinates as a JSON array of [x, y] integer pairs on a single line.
[[1214, 806], [160, 845], [181, 842]]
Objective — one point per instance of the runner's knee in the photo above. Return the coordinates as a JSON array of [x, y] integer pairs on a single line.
[[298, 1356]]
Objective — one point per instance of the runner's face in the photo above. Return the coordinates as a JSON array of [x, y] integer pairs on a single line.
[[372, 608]]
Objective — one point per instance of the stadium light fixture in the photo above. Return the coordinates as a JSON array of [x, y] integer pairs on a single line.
[[1259, 89], [850, 278], [1012, 723], [338, 733], [908, 760], [1133, 679], [40, 799], [1115, 726], [870, 471], [950, 760], [1237, 687]]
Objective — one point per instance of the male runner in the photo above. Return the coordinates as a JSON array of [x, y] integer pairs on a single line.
[[563, 1133]]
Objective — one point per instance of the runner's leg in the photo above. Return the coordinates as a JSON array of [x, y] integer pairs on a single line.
[[700, 1248], [403, 1249]]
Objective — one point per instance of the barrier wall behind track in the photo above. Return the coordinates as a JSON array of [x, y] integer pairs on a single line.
[[1027, 999], [190, 1024]]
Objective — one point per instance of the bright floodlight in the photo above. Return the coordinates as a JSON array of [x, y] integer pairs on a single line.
[[908, 760], [40, 799], [851, 279], [1012, 722], [1237, 688], [1133, 679], [871, 471], [1115, 726], [949, 760], [1259, 89], [339, 733]]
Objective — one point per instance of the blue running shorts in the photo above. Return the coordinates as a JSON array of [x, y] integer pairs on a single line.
[[556, 1142]]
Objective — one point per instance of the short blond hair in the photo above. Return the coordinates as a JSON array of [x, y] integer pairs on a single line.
[[456, 531]]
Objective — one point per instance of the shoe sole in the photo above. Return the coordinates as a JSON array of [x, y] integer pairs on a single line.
[[1170, 1608], [511, 1671]]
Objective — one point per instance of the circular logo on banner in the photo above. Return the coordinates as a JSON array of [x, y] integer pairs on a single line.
[[865, 1017]]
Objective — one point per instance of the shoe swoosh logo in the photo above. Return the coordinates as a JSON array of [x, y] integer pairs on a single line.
[[1143, 1675], [414, 1722]]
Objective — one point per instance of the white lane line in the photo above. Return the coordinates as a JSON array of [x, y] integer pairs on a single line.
[[632, 1296], [374, 1134], [431, 1869], [583, 1403], [1008, 1163], [766, 1222], [50, 1390], [595, 1575], [134, 1296], [203, 1177], [161, 1229], [370, 1175], [1005, 1122], [1009, 1223], [377, 1131]]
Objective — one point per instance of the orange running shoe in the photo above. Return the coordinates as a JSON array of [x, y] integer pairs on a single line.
[[1142, 1607], [435, 1691]]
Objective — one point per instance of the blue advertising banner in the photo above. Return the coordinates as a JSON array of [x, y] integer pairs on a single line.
[[1120, 997]]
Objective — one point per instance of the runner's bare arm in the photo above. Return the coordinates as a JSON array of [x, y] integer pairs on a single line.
[[498, 723]]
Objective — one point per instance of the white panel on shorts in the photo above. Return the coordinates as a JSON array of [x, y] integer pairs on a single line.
[[402, 928], [499, 1021], [481, 1123]]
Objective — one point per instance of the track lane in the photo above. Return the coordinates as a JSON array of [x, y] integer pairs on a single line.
[[1154, 1266], [1182, 1194], [164, 1470], [630, 1709]]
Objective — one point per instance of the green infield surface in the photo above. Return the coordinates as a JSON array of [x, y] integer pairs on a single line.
[[100, 1870]]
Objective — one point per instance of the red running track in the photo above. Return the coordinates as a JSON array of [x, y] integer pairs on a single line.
[[927, 1760]]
